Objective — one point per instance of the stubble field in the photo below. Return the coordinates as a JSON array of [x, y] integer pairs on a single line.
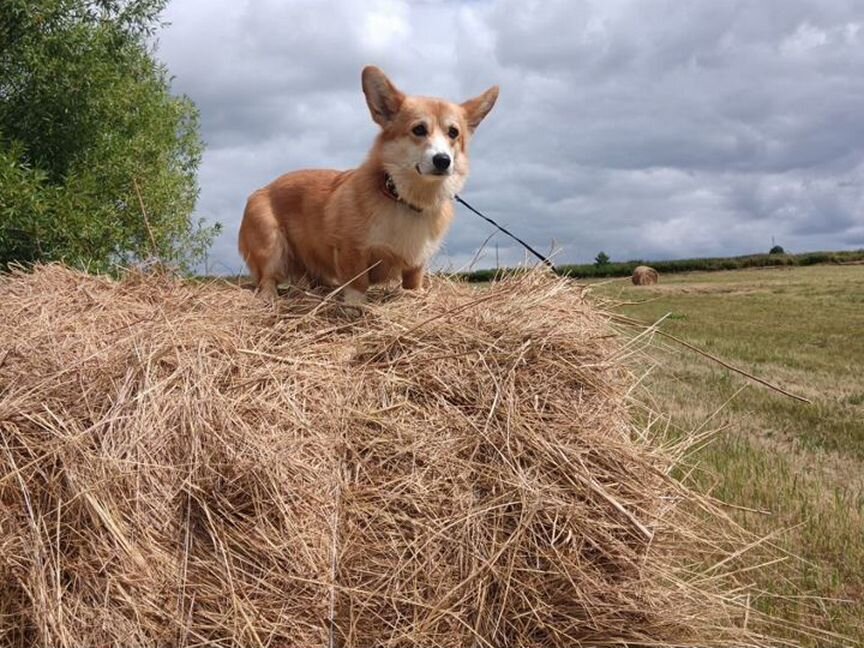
[[791, 471]]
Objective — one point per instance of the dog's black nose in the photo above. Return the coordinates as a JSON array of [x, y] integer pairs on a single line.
[[441, 161]]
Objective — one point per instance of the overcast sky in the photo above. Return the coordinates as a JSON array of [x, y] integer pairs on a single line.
[[645, 128]]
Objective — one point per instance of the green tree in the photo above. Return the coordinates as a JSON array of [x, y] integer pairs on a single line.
[[98, 160], [777, 250], [601, 259]]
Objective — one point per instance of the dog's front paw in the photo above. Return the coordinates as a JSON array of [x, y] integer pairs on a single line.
[[354, 297], [268, 293], [415, 293]]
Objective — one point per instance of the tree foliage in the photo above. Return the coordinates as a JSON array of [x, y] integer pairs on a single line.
[[601, 259], [98, 160], [777, 249]]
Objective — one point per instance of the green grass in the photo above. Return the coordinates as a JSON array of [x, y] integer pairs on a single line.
[[802, 328]]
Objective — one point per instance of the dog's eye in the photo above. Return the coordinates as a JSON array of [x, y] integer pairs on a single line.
[[453, 132], [420, 130]]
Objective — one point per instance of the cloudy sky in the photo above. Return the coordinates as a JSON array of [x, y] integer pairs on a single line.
[[645, 128]]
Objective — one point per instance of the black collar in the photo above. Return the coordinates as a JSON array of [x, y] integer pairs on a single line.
[[389, 190]]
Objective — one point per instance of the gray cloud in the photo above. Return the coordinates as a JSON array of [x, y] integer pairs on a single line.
[[648, 129]]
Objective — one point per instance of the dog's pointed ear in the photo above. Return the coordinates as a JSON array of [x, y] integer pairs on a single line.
[[478, 107], [382, 97]]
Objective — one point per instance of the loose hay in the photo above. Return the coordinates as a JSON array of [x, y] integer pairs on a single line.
[[182, 465]]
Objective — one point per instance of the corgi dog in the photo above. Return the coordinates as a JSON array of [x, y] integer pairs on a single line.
[[383, 220]]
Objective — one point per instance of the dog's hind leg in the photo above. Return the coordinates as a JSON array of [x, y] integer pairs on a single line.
[[263, 246]]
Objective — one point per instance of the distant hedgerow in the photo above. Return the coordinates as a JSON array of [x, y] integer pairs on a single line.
[[625, 269]]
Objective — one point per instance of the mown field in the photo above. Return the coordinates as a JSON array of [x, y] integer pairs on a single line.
[[796, 470]]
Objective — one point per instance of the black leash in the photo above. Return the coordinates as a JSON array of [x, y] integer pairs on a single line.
[[544, 259]]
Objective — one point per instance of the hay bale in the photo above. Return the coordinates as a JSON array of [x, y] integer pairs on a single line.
[[645, 276], [181, 465]]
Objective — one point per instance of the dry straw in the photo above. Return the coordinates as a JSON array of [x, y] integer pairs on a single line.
[[644, 276], [181, 465]]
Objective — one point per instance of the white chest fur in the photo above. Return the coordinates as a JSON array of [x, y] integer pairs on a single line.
[[410, 235]]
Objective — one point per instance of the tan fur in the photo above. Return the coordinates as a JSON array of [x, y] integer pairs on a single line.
[[644, 276], [339, 227]]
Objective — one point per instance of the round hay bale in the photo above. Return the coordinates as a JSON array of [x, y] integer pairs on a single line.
[[644, 276], [183, 465]]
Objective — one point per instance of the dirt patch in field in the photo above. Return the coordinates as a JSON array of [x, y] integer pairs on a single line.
[[705, 289]]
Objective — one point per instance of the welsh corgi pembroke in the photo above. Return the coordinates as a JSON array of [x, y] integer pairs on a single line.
[[381, 221]]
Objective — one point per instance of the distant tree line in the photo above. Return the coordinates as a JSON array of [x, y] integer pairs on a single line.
[[98, 159], [624, 269]]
